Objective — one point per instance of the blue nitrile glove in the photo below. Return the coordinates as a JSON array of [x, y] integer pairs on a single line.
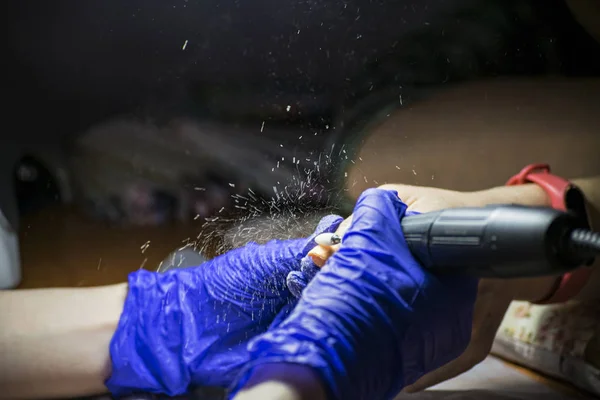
[[298, 280], [190, 327], [372, 320]]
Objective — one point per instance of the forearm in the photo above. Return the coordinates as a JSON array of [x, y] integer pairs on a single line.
[[283, 382], [55, 342]]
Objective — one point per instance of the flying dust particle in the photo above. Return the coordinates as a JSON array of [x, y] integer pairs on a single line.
[[184, 45], [145, 246], [414, 172], [288, 108], [262, 127]]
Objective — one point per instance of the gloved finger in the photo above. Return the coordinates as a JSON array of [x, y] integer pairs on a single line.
[[321, 253], [376, 223], [376, 235], [308, 268], [296, 282]]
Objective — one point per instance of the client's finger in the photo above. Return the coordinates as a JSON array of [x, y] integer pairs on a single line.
[[320, 254]]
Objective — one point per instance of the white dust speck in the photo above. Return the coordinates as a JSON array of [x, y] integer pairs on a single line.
[[145, 246], [200, 189], [262, 127], [414, 172], [432, 176], [397, 167], [232, 184], [288, 108], [184, 45]]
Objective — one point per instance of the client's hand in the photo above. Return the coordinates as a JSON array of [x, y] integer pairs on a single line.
[[373, 320], [191, 326]]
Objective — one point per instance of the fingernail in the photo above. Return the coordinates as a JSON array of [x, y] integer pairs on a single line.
[[320, 254]]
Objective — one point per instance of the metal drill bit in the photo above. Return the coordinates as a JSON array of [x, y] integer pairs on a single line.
[[328, 239]]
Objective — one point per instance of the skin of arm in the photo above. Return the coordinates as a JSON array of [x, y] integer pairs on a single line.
[[54, 342], [283, 382]]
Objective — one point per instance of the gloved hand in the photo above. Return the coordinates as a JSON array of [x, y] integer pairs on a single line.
[[190, 327], [372, 320], [298, 280]]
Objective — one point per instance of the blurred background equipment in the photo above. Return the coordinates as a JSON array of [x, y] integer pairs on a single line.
[[33, 176], [131, 171]]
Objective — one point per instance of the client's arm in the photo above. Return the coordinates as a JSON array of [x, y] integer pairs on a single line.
[[148, 335], [54, 342], [283, 382]]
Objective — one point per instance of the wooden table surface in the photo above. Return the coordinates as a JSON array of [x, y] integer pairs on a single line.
[[61, 248]]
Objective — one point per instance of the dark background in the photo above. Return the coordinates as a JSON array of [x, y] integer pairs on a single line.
[[71, 63]]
